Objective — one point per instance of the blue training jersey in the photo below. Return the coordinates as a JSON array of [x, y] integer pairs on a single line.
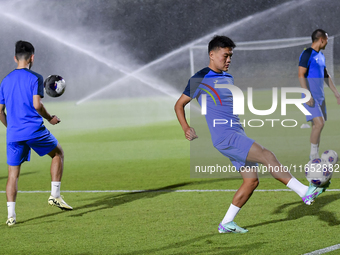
[[316, 64], [219, 102], [16, 93]]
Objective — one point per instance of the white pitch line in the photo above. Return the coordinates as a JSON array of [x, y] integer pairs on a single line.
[[160, 190], [324, 250]]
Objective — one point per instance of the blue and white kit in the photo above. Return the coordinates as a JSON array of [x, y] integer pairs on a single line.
[[228, 139], [25, 126], [316, 64]]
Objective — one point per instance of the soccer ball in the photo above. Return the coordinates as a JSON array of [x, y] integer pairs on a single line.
[[330, 156], [318, 171], [54, 85]]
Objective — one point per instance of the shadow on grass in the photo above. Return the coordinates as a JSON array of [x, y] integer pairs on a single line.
[[302, 210], [21, 174], [40, 217], [110, 201], [208, 247]]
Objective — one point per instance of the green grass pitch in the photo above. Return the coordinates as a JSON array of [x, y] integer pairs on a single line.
[[107, 150]]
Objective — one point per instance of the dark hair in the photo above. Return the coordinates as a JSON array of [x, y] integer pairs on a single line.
[[23, 50], [220, 41], [317, 34]]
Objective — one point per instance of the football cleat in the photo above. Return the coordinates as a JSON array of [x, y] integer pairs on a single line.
[[59, 202], [231, 227], [313, 192], [10, 222], [313, 156]]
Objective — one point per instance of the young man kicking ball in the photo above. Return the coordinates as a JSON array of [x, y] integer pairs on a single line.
[[20, 94], [232, 141]]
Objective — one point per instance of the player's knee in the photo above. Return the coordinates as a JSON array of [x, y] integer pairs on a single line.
[[12, 177], [255, 183], [58, 151], [321, 124], [252, 183]]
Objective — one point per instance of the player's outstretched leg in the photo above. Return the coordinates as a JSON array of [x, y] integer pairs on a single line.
[[258, 153], [57, 167]]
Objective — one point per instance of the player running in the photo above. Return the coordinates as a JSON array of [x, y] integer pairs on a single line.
[[232, 141], [312, 74], [20, 93]]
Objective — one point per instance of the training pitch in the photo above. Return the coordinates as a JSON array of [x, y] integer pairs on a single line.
[[127, 177]]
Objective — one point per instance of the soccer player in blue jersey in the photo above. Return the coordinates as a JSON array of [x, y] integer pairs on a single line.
[[312, 75], [22, 112], [232, 141]]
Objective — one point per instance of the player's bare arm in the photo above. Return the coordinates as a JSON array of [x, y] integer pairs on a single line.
[[3, 117], [303, 83], [189, 132], [39, 106], [330, 83]]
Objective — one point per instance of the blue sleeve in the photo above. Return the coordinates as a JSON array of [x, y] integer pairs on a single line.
[[187, 89], [191, 88], [194, 82], [2, 99], [39, 86], [304, 58]]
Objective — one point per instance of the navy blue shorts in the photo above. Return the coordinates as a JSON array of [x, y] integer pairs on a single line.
[[18, 152], [236, 147], [318, 110]]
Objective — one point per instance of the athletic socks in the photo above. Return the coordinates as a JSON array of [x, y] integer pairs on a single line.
[[55, 189], [231, 214], [293, 184], [314, 149], [11, 210], [55, 192], [297, 187]]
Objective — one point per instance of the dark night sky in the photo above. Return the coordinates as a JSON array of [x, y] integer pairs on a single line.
[[149, 28], [132, 33], [157, 27]]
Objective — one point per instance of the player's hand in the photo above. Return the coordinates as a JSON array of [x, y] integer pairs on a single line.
[[54, 120], [338, 99], [190, 134], [310, 102]]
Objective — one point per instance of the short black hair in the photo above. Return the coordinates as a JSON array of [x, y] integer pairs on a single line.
[[317, 34], [220, 41], [23, 50]]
